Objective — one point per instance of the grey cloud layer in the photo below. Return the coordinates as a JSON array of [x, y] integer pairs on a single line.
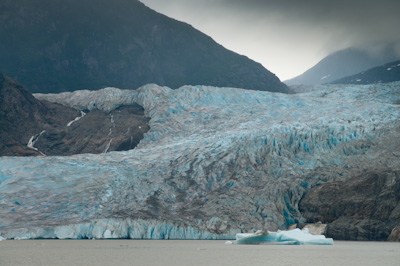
[[355, 22], [290, 36]]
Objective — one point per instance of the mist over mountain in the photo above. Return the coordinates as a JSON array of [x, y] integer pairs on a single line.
[[343, 63], [381, 74], [56, 45]]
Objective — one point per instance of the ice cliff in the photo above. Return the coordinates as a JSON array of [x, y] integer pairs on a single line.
[[216, 162]]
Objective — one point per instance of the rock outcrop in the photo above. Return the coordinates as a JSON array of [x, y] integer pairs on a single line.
[[97, 132], [365, 207], [395, 234]]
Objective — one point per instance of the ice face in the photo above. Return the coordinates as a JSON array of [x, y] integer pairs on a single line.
[[116, 229], [217, 160]]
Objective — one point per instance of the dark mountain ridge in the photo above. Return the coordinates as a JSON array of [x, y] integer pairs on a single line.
[[389, 72], [341, 64], [56, 45]]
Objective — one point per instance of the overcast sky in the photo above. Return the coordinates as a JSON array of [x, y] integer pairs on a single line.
[[289, 36]]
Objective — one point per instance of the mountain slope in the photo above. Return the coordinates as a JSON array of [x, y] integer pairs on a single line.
[[341, 64], [215, 162], [30, 127], [23, 116], [57, 45], [381, 74]]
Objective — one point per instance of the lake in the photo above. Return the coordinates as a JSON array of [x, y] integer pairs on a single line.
[[192, 252]]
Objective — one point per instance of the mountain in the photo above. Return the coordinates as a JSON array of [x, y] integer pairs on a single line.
[[341, 64], [381, 74], [30, 127], [57, 45], [215, 162]]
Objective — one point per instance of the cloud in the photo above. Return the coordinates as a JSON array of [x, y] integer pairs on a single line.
[[289, 36], [354, 22]]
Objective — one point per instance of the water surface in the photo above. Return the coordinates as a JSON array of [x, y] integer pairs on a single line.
[[193, 252]]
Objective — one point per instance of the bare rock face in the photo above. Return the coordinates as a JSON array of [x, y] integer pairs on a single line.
[[31, 127], [97, 132], [365, 207], [395, 234]]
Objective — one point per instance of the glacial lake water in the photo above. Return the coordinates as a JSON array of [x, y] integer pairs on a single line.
[[193, 252]]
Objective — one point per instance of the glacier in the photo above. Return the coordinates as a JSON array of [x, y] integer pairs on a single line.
[[215, 162]]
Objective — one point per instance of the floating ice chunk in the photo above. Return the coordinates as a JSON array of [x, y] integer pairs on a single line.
[[292, 237], [2, 238]]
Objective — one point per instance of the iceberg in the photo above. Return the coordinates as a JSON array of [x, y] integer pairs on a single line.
[[292, 237], [215, 162]]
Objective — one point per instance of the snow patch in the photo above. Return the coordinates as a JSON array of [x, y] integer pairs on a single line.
[[112, 120], [107, 146], [76, 119], [33, 140], [110, 133]]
